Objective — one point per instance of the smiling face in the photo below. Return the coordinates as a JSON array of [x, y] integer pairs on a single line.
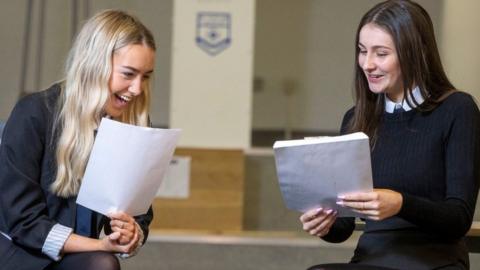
[[132, 67], [378, 59]]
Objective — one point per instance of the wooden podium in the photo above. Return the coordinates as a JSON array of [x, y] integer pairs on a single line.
[[215, 202]]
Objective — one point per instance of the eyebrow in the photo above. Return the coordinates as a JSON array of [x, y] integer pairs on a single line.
[[136, 70], [376, 47]]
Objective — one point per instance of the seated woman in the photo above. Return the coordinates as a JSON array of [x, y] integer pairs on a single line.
[[46, 144], [425, 150]]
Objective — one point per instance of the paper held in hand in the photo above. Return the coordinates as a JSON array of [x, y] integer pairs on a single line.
[[312, 172], [126, 167]]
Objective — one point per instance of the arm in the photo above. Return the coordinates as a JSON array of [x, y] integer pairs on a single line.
[[452, 216], [110, 243], [23, 209], [325, 224], [341, 230]]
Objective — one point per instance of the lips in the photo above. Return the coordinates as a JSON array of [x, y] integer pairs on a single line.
[[374, 78], [124, 99]]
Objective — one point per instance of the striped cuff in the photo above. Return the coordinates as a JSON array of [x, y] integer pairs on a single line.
[[55, 240]]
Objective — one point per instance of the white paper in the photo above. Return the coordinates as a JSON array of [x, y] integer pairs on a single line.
[[176, 184], [314, 171], [126, 167]]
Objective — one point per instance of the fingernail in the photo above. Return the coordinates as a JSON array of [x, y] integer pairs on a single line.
[[329, 211], [341, 197], [319, 210], [340, 203]]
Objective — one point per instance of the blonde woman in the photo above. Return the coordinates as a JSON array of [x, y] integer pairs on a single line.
[[46, 144]]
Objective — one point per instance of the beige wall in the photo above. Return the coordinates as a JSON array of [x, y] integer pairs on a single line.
[[211, 95], [57, 41], [304, 43], [311, 43], [460, 44], [9, 53]]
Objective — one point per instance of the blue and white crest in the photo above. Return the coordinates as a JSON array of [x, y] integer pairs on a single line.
[[213, 31]]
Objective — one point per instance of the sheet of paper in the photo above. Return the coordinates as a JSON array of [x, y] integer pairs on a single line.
[[176, 183], [313, 172], [126, 167]]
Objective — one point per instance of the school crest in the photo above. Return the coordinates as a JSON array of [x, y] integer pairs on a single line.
[[213, 33]]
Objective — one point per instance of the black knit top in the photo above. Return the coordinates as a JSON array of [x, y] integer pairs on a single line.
[[433, 160]]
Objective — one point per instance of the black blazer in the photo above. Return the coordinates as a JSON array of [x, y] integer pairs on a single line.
[[28, 209]]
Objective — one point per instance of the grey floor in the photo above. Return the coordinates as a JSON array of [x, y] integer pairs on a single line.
[[217, 253]]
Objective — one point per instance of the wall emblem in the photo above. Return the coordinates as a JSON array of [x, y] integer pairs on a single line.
[[214, 31]]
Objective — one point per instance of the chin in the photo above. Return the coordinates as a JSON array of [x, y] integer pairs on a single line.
[[114, 114], [377, 90]]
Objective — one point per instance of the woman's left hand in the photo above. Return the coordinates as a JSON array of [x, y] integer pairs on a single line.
[[125, 225], [376, 205]]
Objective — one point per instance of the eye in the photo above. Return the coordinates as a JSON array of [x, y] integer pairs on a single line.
[[145, 77], [128, 74], [362, 51], [382, 54]]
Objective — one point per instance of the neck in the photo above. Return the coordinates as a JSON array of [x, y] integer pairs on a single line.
[[397, 98]]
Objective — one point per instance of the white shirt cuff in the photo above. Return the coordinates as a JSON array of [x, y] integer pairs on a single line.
[[55, 240]]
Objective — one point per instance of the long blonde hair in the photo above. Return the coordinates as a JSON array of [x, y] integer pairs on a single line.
[[85, 92]]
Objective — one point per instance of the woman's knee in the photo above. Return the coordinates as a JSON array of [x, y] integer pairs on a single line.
[[97, 260], [104, 261]]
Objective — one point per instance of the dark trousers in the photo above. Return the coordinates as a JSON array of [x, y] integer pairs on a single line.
[[87, 261], [352, 266], [347, 266]]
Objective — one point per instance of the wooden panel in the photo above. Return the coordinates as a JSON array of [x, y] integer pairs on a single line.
[[216, 193]]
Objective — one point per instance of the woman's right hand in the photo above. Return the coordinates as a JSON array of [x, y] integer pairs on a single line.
[[111, 243], [318, 221]]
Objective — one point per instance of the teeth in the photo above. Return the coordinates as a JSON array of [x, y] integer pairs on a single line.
[[125, 98]]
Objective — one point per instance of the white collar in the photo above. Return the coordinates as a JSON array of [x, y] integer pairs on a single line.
[[417, 96]]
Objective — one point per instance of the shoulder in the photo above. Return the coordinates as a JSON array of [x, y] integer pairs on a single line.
[[43, 99], [459, 103], [34, 110], [458, 111], [349, 113], [38, 103], [459, 99], [347, 117]]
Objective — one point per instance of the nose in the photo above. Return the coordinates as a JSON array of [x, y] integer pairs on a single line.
[[368, 63], [136, 87]]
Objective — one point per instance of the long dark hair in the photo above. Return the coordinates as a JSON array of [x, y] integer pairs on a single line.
[[412, 32]]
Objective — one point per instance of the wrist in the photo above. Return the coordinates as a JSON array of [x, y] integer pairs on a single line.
[[399, 202], [101, 244]]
